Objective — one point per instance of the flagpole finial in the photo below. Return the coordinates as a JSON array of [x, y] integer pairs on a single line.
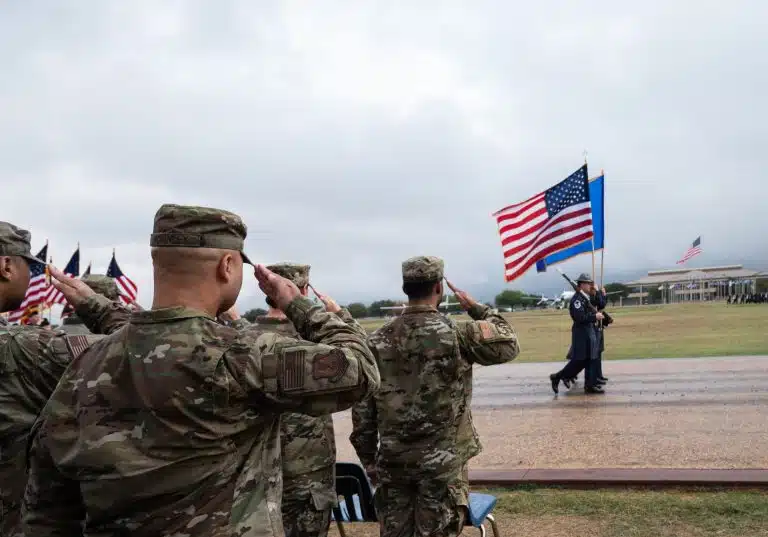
[[585, 156]]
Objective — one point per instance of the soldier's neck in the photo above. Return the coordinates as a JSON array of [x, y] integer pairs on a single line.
[[430, 301], [184, 298], [275, 313]]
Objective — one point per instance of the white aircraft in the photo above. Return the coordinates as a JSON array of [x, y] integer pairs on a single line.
[[445, 304]]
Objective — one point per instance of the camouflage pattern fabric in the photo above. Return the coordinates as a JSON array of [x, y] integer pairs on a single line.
[[435, 506], [297, 273], [423, 268], [15, 241], [308, 451], [170, 426], [102, 284], [31, 362], [417, 429], [74, 325]]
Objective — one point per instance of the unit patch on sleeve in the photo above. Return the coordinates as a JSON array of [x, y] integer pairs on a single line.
[[331, 365]]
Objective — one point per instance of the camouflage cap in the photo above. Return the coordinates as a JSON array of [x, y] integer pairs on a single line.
[[298, 274], [583, 278], [16, 242], [422, 268], [188, 226], [104, 285]]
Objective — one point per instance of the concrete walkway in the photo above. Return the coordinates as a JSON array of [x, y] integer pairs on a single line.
[[697, 413]]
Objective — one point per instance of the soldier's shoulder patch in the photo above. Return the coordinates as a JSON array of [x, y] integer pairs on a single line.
[[76, 345], [329, 365], [577, 304], [486, 329], [293, 368]]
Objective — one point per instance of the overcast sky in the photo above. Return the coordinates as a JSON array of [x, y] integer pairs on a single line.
[[352, 135]]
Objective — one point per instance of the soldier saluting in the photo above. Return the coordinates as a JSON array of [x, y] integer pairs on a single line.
[[584, 340]]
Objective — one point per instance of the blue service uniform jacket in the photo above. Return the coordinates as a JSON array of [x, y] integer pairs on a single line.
[[584, 340]]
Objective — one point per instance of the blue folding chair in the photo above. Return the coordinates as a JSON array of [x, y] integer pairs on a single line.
[[480, 507]]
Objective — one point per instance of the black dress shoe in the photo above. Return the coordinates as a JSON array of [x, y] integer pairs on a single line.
[[599, 382], [555, 380], [567, 383], [593, 389], [602, 379]]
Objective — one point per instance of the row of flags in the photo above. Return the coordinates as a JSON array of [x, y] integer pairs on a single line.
[[42, 295], [563, 221]]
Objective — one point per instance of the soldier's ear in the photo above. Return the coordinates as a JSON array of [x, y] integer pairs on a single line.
[[6, 268]]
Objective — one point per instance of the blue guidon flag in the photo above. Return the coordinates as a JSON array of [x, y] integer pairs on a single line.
[[550, 221]]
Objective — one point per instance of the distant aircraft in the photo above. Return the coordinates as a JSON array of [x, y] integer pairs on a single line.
[[445, 304]]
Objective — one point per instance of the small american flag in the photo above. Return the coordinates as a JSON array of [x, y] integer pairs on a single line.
[[693, 250], [546, 223], [128, 290], [72, 269], [37, 290]]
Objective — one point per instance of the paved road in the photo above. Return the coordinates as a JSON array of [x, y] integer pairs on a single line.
[[687, 413]]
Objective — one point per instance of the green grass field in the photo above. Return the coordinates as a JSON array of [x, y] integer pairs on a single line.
[[552, 512], [672, 331]]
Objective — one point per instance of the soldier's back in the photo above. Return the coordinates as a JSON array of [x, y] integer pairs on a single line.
[[158, 429], [422, 405]]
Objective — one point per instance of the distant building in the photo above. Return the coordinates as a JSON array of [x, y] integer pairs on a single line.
[[693, 285]]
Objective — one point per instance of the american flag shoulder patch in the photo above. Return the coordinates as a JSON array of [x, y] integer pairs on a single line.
[[293, 369], [77, 344]]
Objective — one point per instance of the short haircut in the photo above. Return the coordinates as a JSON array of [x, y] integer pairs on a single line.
[[419, 290]]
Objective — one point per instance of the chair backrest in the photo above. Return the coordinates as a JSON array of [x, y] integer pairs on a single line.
[[351, 481]]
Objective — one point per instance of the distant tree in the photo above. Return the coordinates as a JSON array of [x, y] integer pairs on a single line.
[[374, 310], [654, 295], [617, 290], [761, 286], [358, 310], [510, 298], [252, 314]]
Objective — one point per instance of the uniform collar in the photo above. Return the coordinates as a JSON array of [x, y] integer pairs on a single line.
[[419, 309], [167, 314], [263, 319]]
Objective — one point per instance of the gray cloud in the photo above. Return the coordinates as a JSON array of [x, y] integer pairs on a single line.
[[351, 136]]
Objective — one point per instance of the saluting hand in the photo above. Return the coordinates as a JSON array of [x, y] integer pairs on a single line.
[[464, 299], [281, 290], [75, 291], [330, 304]]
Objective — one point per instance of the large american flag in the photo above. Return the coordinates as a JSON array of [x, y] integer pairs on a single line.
[[72, 269], [546, 223], [37, 290], [128, 290], [694, 249]]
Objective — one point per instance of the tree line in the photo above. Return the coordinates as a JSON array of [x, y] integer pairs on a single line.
[[509, 298]]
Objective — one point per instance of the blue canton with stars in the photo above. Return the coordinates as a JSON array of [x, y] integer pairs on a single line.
[[571, 191]]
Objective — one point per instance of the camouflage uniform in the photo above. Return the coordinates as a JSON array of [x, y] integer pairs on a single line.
[[308, 443], [169, 426], [31, 362], [417, 429], [104, 285]]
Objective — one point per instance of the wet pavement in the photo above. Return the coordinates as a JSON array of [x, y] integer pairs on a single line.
[[673, 413]]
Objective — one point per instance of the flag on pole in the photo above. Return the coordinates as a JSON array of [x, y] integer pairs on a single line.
[[88, 270], [72, 269], [597, 200], [550, 221], [36, 292], [128, 289], [694, 249]]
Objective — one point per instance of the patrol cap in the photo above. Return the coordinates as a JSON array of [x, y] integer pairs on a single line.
[[104, 285], [186, 226], [16, 242], [583, 278], [423, 268], [298, 274]]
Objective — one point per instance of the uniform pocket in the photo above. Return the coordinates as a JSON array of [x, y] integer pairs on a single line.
[[323, 497]]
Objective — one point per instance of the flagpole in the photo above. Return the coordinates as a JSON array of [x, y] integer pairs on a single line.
[[593, 229], [602, 250]]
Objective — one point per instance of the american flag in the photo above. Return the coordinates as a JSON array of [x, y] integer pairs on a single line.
[[72, 269], [37, 290], [693, 250], [546, 223], [128, 289]]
